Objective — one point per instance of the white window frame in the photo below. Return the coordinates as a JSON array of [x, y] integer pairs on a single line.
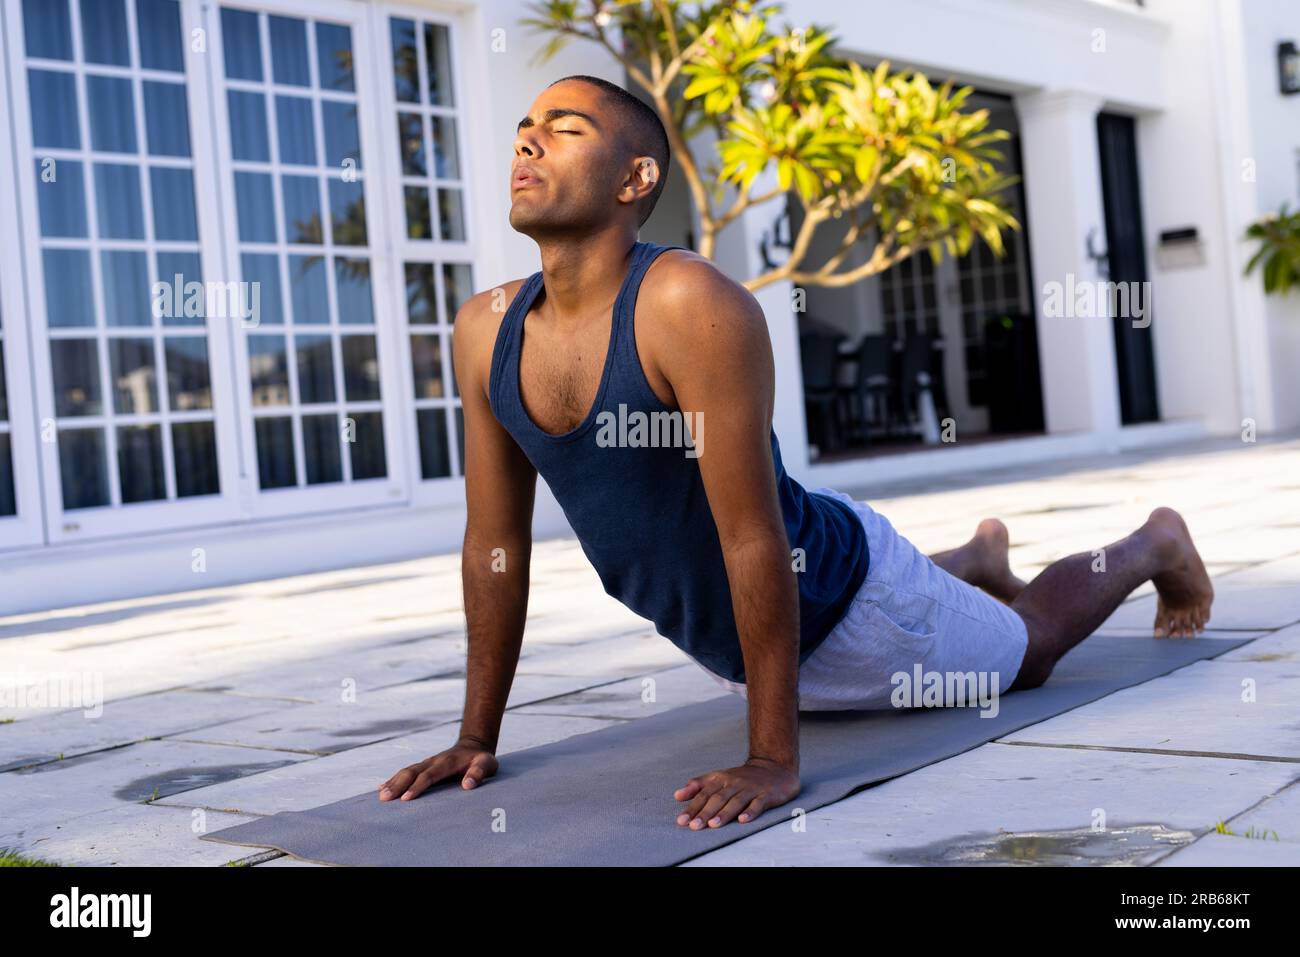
[[84, 524]]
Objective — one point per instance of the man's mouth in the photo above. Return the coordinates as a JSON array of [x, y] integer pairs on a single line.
[[523, 179]]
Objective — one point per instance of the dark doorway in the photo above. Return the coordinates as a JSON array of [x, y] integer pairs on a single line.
[[1122, 198]]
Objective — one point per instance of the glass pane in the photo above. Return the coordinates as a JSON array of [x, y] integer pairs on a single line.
[[297, 136], [348, 213], [140, 463], [307, 288], [334, 56], [451, 218], [178, 270], [341, 138], [4, 396], [410, 141], [360, 368], [112, 114], [194, 447], [8, 504], [437, 57], [268, 369], [262, 273], [451, 364], [160, 34], [135, 380], [167, 121], [83, 471], [315, 369], [417, 213], [320, 445], [435, 459], [460, 436], [426, 363], [275, 468], [173, 204], [419, 294], [242, 44], [68, 298], [119, 206], [62, 198], [444, 147], [352, 283], [302, 218], [53, 99], [189, 382], [406, 66], [255, 205], [126, 288], [48, 28], [103, 32], [458, 287], [289, 51], [368, 446], [75, 363], [248, 139]]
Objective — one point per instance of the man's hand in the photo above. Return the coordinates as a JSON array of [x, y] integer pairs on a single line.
[[471, 760], [720, 797]]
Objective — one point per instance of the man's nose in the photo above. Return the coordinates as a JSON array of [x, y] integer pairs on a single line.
[[525, 145]]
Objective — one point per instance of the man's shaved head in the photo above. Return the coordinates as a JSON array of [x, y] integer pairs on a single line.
[[643, 131]]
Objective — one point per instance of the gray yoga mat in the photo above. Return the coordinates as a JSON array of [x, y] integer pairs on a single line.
[[605, 798]]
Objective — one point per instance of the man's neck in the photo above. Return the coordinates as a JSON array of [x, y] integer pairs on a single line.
[[583, 274]]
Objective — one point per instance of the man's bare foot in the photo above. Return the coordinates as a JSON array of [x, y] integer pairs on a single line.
[[1184, 593], [983, 561]]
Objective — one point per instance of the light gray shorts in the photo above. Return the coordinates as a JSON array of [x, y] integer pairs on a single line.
[[910, 617]]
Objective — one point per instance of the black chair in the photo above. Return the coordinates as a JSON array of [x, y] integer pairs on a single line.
[[818, 356], [867, 399], [922, 353]]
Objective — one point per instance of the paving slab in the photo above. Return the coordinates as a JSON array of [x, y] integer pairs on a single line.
[[133, 835], [1264, 596], [1004, 805], [1220, 850], [1210, 707], [309, 784], [44, 737]]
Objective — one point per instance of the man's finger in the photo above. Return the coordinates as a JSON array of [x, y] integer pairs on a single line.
[[756, 807], [711, 789], [688, 790], [715, 804], [728, 813], [433, 772], [480, 769], [397, 784]]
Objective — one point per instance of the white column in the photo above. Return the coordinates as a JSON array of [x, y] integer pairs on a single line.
[[1062, 183]]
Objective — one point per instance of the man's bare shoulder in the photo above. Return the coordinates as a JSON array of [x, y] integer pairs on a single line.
[[685, 294]]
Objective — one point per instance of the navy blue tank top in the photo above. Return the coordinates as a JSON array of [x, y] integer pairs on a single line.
[[641, 513]]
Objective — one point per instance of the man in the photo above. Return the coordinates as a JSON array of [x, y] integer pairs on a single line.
[[797, 599]]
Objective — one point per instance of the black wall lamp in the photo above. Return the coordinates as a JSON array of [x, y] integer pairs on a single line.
[[1288, 68]]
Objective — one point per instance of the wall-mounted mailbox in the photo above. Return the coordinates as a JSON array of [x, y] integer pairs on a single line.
[[1288, 68]]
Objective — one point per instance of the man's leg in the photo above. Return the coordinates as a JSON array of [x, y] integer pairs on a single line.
[[983, 561], [1068, 601]]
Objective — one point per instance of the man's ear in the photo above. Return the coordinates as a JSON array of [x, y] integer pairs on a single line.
[[645, 175]]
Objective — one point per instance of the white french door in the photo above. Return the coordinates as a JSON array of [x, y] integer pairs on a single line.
[[135, 420], [318, 369]]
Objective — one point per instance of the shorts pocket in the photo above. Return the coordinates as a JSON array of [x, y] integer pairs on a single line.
[[907, 619]]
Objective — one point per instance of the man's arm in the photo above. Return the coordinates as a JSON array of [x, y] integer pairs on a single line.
[[500, 486], [717, 359]]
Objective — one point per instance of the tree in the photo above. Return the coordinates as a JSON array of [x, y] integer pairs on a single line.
[[899, 160]]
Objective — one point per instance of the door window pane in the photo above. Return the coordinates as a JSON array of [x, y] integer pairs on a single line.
[[352, 280], [445, 151], [112, 114], [367, 446], [406, 64], [320, 440], [435, 457], [61, 194], [426, 363], [189, 381], [297, 135], [103, 32], [289, 51], [75, 364], [126, 288], [140, 463], [334, 56], [8, 501], [275, 467], [268, 368], [315, 369], [194, 446], [347, 213], [47, 27], [119, 206], [69, 301], [262, 273], [302, 221], [135, 379], [342, 142], [53, 97], [173, 204], [248, 138], [160, 34], [83, 468], [241, 44], [360, 369], [307, 285], [167, 120], [255, 207]]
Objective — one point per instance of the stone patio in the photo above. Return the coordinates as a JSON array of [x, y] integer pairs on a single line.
[[228, 703]]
